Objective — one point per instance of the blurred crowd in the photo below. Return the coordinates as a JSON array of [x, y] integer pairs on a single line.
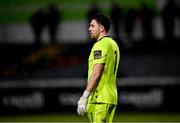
[[124, 22], [123, 26]]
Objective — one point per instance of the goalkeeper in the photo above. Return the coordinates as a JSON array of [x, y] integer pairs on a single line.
[[99, 99]]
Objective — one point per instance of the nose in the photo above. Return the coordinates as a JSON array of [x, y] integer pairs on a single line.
[[89, 28]]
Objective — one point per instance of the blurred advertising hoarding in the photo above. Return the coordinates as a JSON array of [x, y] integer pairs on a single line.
[[43, 97]]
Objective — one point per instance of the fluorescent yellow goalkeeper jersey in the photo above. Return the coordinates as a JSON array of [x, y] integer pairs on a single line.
[[105, 51]]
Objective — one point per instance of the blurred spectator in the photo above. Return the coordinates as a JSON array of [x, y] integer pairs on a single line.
[[40, 19], [168, 16], [116, 17], [178, 16], [129, 22], [147, 17], [38, 22], [53, 19]]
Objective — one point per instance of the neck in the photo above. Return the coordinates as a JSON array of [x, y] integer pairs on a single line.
[[102, 35]]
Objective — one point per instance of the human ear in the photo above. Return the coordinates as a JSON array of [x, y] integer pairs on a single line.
[[101, 27]]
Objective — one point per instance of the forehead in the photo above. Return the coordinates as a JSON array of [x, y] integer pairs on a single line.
[[94, 22]]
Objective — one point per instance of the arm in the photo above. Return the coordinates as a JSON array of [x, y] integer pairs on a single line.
[[95, 77], [91, 86]]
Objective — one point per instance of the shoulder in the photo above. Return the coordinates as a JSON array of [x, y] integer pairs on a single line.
[[105, 41], [108, 42]]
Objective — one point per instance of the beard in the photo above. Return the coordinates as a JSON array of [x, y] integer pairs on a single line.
[[93, 37]]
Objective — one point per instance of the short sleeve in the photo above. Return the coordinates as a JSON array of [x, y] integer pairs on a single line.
[[99, 53]]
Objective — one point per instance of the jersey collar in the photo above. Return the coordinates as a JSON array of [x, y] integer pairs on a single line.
[[103, 37]]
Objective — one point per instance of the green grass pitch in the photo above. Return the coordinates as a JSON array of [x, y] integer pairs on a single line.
[[121, 117]]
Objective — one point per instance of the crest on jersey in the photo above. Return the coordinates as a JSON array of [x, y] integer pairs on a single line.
[[97, 54]]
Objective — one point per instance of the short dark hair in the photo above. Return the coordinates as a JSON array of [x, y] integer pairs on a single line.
[[103, 20]]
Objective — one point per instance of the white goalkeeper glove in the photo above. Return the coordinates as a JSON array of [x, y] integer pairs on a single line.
[[81, 110]]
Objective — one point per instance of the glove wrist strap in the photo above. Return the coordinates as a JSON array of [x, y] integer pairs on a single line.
[[86, 94]]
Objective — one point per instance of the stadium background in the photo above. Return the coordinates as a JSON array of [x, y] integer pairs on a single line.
[[44, 84]]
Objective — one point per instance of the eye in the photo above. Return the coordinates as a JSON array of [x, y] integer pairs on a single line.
[[91, 25]]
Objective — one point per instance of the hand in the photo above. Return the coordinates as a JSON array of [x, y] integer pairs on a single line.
[[81, 110]]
